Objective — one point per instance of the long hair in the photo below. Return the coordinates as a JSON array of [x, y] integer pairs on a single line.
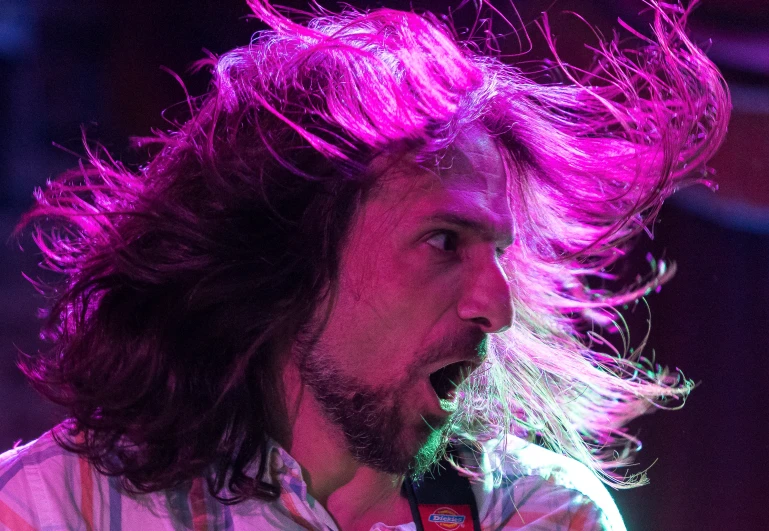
[[183, 277]]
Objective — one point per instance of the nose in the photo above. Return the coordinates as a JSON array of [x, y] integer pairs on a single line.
[[486, 299]]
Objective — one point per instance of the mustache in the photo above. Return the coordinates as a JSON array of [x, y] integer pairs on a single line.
[[471, 344]]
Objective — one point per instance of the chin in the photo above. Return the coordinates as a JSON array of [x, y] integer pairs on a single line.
[[429, 453], [413, 451]]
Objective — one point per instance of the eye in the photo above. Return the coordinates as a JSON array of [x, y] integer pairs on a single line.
[[446, 241]]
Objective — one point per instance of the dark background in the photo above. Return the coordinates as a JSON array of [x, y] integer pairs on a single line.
[[97, 64]]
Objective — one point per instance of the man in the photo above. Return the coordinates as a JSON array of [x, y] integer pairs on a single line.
[[367, 248]]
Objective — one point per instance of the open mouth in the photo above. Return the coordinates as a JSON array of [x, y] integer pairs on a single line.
[[446, 379]]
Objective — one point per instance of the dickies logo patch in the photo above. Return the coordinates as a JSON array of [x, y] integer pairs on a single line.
[[444, 517]]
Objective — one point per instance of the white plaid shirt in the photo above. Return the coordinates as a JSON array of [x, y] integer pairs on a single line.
[[44, 487]]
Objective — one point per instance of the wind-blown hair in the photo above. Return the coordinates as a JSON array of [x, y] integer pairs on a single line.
[[183, 278]]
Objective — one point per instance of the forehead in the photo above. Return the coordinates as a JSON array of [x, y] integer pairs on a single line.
[[469, 183]]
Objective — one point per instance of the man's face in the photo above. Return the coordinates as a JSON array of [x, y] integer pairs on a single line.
[[420, 286]]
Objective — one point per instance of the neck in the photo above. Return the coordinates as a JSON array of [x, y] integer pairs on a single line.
[[355, 495]]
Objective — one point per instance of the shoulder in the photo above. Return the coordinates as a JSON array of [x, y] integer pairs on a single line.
[[17, 463], [41, 457], [525, 486], [23, 481], [36, 451]]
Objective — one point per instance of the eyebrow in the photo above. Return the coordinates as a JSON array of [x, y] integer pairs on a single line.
[[476, 225]]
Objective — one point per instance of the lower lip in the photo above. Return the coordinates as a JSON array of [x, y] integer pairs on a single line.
[[433, 400]]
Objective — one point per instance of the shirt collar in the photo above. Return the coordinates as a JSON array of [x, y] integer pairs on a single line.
[[285, 469]]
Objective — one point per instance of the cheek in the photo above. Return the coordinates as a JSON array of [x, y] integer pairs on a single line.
[[428, 283], [389, 303], [376, 326], [412, 299]]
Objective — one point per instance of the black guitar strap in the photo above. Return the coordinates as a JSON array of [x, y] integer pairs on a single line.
[[443, 501]]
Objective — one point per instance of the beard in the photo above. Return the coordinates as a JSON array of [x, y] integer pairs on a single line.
[[372, 419]]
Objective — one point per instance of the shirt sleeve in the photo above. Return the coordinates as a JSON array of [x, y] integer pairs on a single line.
[[530, 488], [534, 504]]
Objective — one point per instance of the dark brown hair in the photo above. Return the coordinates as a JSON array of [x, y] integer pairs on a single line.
[[178, 290], [182, 279]]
